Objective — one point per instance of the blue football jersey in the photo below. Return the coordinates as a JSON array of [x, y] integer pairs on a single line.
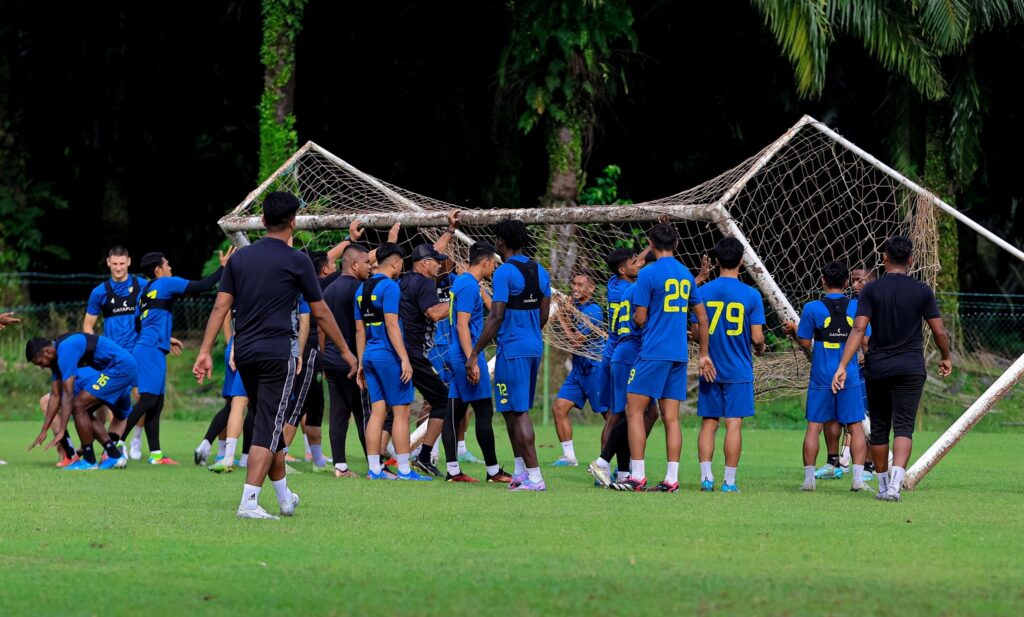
[[732, 308], [667, 289]]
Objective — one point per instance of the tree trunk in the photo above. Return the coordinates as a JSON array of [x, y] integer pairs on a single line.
[[282, 21], [565, 176]]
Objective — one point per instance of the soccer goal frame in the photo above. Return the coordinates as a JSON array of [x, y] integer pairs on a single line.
[[414, 211]]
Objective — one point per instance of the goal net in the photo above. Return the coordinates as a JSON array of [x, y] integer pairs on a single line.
[[808, 198]]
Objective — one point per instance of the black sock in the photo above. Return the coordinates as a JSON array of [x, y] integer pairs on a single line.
[[69, 447], [869, 466], [425, 452], [833, 459], [110, 446], [88, 454], [114, 437]]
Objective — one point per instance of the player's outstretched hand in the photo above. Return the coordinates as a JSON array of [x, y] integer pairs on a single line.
[[203, 368], [705, 270], [355, 231], [945, 368], [7, 319], [707, 369], [453, 220], [393, 232], [224, 257], [789, 328], [40, 439], [839, 380], [360, 378], [176, 346], [406, 371]]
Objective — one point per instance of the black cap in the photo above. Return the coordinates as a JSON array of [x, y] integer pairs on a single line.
[[426, 251], [387, 250]]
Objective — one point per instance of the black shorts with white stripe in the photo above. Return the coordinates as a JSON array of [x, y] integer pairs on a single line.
[[269, 386], [308, 393]]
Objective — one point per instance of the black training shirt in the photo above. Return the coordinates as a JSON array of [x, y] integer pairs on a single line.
[[419, 293], [314, 329], [266, 279], [895, 305], [340, 297]]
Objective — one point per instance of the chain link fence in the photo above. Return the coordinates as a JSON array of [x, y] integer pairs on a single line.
[[985, 326]]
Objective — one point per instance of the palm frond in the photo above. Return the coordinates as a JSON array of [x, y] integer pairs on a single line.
[[947, 23], [969, 107], [802, 30], [893, 39]]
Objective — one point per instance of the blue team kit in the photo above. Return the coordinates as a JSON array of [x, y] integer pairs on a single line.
[[382, 368], [521, 284]]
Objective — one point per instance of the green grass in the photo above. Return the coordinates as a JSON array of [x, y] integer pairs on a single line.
[[164, 540]]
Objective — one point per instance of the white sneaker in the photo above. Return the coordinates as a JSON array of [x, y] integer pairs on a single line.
[[809, 485], [202, 453], [289, 470], [3, 462], [288, 509], [858, 487], [257, 512], [121, 462], [135, 451]]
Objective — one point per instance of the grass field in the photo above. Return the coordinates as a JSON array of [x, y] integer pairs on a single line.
[[164, 540]]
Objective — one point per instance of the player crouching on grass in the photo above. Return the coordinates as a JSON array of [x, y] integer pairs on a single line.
[[825, 325], [89, 371], [736, 315]]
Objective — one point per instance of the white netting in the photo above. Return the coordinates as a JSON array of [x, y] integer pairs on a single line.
[[804, 200]]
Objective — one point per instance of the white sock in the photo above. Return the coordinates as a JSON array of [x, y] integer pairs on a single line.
[[730, 475], [374, 461], [705, 471], [415, 452], [533, 473], [250, 497], [403, 463], [318, 455], [896, 483], [243, 461], [809, 473], [203, 445], [436, 450], [636, 469], [603, 464], [858, 474], [845, 455], [222, 444], [390, 450], [492, 469], [454, 469], [137, 436], [621, 476], [342, 466], [520, 466], [672, 473], [229, 450], [281, 488], [462, 448], [883, 481], [305, 441], [568, 451]]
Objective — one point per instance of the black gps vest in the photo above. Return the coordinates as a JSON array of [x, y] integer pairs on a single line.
[[837, 329], [146, 304], [91, 340], [371, 314], [121, 305], [529, 298]]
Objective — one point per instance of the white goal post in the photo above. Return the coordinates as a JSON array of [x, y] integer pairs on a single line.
[[809, 193]]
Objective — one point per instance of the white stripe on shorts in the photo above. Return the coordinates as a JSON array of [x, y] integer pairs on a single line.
[[282, 407]]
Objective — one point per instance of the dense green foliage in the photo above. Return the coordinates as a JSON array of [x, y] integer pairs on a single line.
[[282, 22]]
